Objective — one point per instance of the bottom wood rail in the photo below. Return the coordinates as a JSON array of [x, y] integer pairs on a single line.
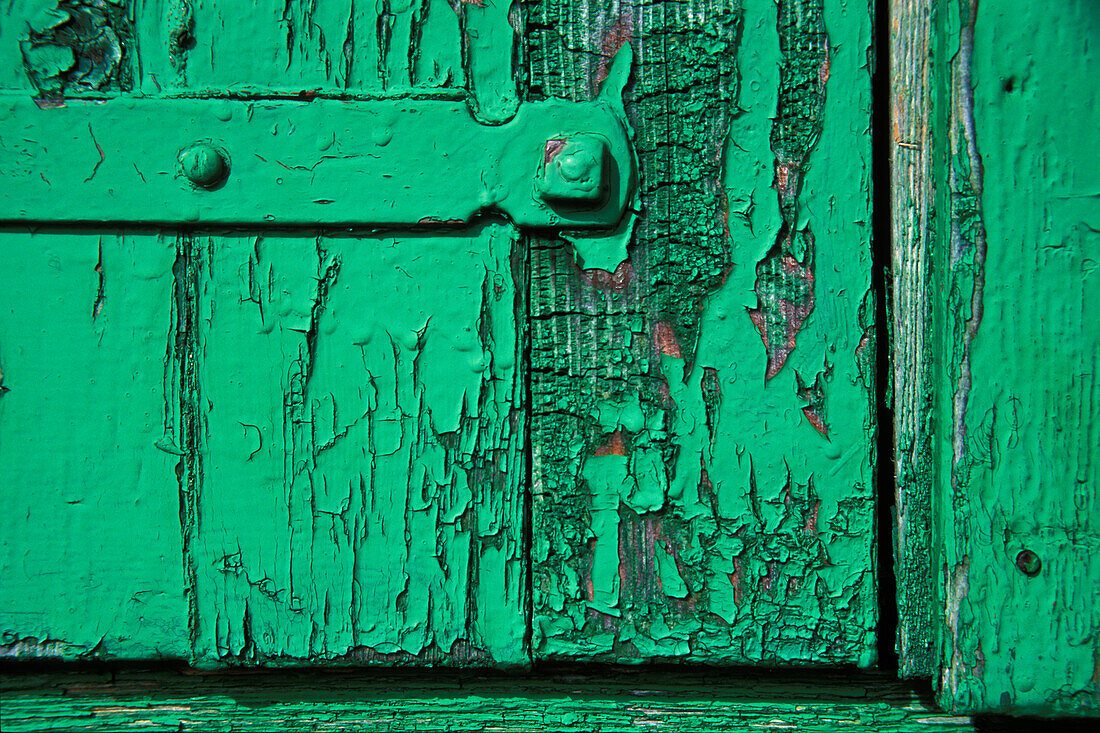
[[552, 700]]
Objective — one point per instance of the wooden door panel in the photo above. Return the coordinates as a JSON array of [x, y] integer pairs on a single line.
[[703, 416], [89, 506], [359, 461], [344, 422]]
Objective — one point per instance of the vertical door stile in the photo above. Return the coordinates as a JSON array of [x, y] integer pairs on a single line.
[[994, 276]]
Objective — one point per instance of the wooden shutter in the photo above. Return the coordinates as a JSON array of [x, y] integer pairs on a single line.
[[286, 438]]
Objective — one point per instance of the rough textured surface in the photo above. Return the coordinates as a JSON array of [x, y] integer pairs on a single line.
[[702, 427], [301, 48], [564, 701], [79, 46], [912, 298], [357, 461], [1013, 427], [91, 545], [344, 446], [341, 473]]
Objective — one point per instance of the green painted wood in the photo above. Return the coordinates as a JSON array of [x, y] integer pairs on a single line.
[[357, 461], [91, 547], [336, 421], [1011, 423], [702, 427], [442, 702], [422, 48], [286, 47], [377, 162], [320, 519]]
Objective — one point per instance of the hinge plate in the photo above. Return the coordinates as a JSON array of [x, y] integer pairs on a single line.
[[402, 162]]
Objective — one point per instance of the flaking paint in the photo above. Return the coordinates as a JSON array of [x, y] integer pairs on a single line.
[[360, 495], [377, 700], [302, 497], [672, 518]]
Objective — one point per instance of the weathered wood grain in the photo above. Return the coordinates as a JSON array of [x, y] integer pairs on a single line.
[[913, 294], [1011, 433], [311, 701], [702, 429], [90, 542]]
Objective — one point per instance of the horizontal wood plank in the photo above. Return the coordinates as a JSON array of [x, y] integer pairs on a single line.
[[561, 701], [323, 163]]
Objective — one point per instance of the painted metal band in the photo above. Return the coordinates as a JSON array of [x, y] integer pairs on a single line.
[[322, 162]]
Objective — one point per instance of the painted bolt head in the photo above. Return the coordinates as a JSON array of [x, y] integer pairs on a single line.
[[574, 171], [204, 165]]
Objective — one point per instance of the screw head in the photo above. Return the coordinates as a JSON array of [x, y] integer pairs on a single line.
[[1028, 563], [204, 165], [574, 171]]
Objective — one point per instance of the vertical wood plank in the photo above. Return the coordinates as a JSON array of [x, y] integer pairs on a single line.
[[702, 427], [491, 48], [1018, 520], [360, 472], [89, 506], [913, 293]]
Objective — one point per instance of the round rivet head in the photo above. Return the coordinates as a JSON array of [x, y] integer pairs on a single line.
[[1028, 563], [204, 165], [576, 166]]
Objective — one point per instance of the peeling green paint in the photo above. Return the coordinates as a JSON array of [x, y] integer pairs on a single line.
[[342, 418], [393, 47], [360, 497], [79, 46], [607, 251], [673, 516]]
